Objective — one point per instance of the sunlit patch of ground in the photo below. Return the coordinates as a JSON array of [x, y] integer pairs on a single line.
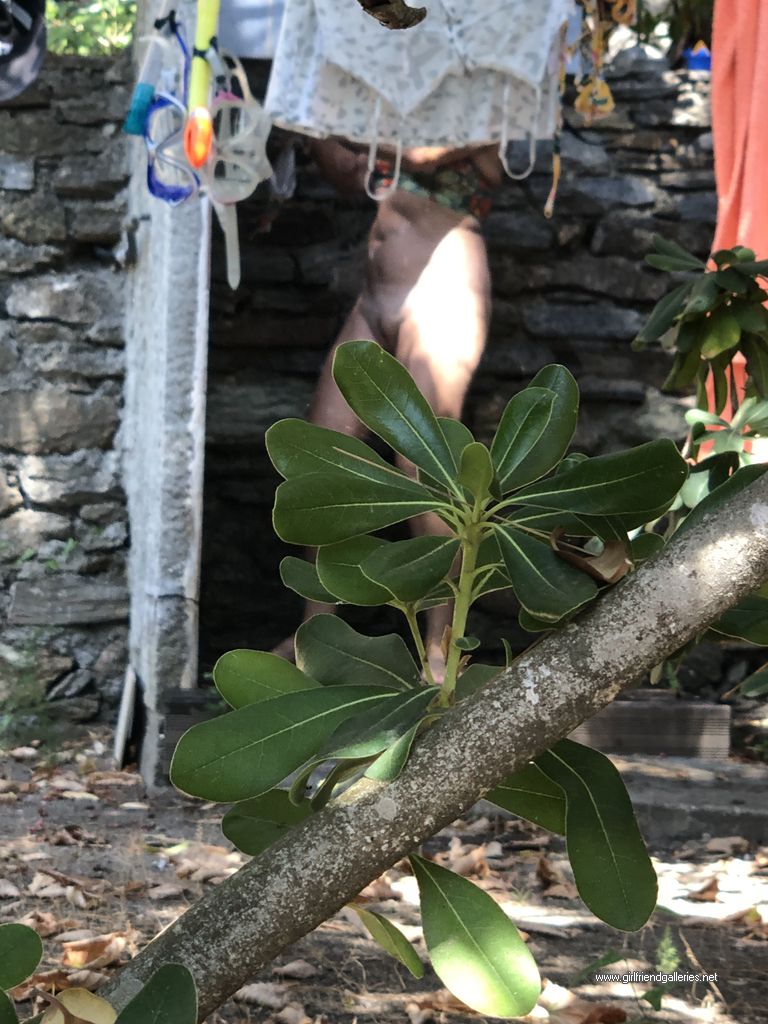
[[99, 869]]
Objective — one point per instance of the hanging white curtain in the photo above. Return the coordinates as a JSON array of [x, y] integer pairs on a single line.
[[469, 74]]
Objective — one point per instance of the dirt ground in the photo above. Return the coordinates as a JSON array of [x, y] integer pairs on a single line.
[[99, 869]]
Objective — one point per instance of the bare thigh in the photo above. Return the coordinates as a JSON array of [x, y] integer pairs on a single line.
[[444, 320], [329, 409]]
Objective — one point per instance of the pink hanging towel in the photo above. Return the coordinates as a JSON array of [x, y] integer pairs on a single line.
[[740, 130]]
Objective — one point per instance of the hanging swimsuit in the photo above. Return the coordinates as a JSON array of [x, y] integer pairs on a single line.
[[458, 186]]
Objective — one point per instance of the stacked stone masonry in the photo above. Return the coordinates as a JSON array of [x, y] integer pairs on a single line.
[[63, 522]]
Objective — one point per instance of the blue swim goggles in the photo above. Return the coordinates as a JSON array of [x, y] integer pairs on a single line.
[[169, 176]]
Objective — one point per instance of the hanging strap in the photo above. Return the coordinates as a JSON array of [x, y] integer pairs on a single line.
[[504, 143], [373, 150]]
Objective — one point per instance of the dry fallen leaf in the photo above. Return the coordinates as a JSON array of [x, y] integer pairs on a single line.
[[45, 923], [298, 969], [441, 1001], [75, 935], [417, 1015], [554, 882], [46, 885], [611, 565], [8, 891], [294, 1013], [98, 951], [380, 889], [561, 891], [263, 993], [83, 1008], [707, 893], [166, 891], [465, 860], [54, 980], [566, 1008]]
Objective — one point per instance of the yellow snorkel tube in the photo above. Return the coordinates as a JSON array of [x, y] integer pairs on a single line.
[[198, 132]]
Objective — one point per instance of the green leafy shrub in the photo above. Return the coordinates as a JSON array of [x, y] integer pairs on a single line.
[[90, 29], [521, 514]]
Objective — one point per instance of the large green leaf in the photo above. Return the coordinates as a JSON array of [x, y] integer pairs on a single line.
[[476, 470], [301, 576], [457, 434], [333, 653], [663, 315], [253, 825], [20, 952], [249, 751], [545, 584], [7, 1011], [338, 568], [410, 569], [722, 333], [705, 295], [613, 872], [522, 432], [667, 247], [245, 677], [532, 795], [526, 457], [627, 483], [391, 762], [324, 508], [756, 685], [377, 728], [368, 734], [298, 448], [475, 949], [391, 939], [756, 353], [169, 997], [385, 398], [747, 621]]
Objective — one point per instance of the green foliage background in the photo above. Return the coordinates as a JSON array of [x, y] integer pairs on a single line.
[[90, 29]]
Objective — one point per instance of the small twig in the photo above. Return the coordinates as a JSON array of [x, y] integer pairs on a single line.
[[394, 13]]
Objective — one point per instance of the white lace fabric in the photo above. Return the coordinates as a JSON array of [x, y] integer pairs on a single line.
[[470, 74]]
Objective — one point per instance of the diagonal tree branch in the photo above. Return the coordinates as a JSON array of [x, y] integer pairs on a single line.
[[294, 886]]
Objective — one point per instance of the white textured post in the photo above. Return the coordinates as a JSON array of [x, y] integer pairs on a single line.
[[164, 437]]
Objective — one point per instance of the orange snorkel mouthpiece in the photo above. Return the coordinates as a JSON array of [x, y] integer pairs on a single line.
[[198, 137]]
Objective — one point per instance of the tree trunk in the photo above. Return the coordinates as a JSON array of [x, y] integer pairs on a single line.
[[299, 883]]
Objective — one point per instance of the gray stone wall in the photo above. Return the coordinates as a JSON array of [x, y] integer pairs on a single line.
[[63, 522], [573, 290]]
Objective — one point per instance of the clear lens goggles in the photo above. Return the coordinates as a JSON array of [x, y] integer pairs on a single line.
[[238, 160]]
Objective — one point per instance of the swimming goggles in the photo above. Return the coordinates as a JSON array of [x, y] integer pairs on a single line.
[[169, 176], [238, 160]]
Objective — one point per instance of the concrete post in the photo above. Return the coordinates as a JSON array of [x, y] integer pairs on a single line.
[[164, 436]]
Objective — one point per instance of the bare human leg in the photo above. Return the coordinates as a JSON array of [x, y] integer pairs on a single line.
[[440, 341], [328, 409]]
